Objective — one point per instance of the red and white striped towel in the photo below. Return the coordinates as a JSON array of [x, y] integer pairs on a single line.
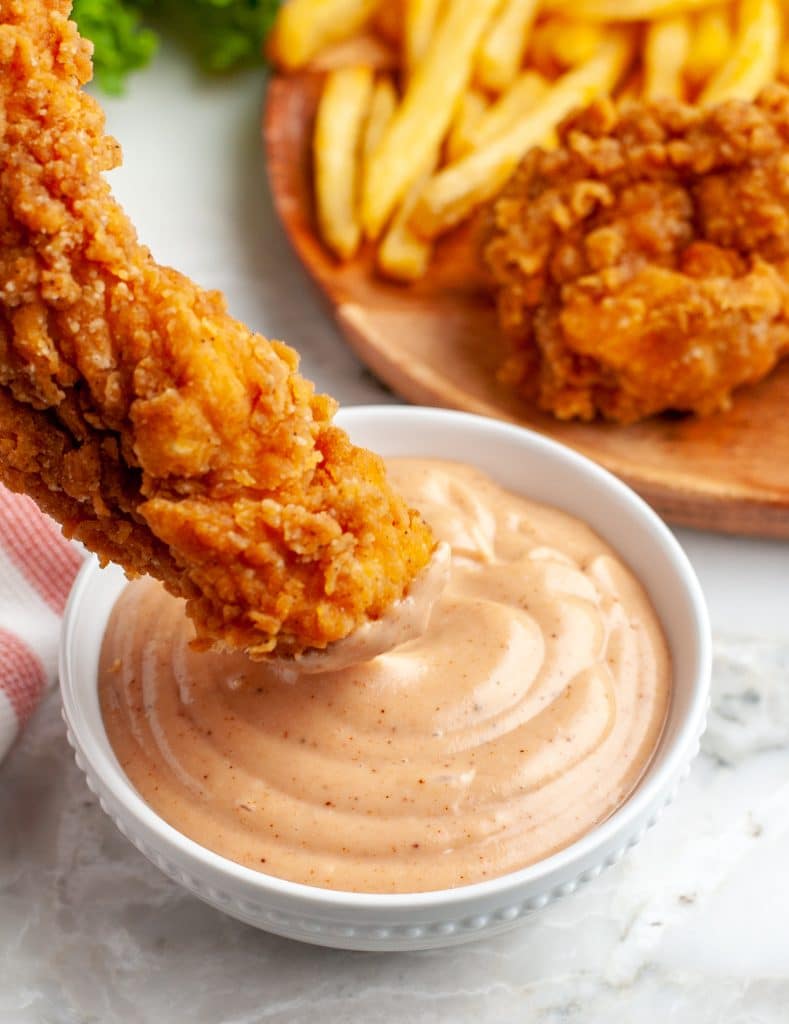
[[37, 568]]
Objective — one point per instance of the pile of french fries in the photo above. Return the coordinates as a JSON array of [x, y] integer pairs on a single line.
[[428, 106]]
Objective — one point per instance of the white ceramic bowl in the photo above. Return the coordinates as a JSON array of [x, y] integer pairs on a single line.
[[523, 462]]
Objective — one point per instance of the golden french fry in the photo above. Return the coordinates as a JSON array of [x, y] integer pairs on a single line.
[[521, 97], [783, 61], [710, 43], [366, 48], [339, 124], [303, 27], [504, 44], [563, 43], [403, 254], [665, 55], [454, 192], [753, 60], [382, 106], [624, 10], [423, 117], [471, 106], [577, 42], [421, 17]]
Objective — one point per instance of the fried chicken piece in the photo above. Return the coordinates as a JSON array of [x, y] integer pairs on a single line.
[[159, 431], [643, 265]]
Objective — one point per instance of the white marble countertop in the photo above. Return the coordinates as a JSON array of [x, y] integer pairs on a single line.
[[692, 926]]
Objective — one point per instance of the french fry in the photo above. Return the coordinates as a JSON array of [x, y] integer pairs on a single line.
[[471, 106], [421, 17], [753, 60], [403, 254], [710, 43], [339, 125], [665, 54], [521, 97], [422, 118], [625, 10], [563, 43], [365, 48], [577, 42], [382, 106], [303, 27], [504, 44], [457, 189]]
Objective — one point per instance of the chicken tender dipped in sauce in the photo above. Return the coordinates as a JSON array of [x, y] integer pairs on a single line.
[[161, 432]]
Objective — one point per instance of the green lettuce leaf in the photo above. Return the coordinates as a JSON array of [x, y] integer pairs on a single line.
[[120, 43], [221, 34]]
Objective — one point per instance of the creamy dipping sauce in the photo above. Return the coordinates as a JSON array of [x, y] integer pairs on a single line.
[[523, 716]]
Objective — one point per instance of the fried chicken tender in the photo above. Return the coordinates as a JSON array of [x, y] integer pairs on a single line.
[[159, 431], [643, 265]]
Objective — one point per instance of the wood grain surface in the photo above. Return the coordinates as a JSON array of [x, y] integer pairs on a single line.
[[436, 342]]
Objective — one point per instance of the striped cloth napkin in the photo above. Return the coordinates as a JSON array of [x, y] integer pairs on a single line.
[[37, 568]]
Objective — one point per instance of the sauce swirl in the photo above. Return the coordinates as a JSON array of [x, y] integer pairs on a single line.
[[523, 716]]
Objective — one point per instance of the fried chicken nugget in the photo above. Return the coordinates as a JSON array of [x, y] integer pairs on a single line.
[[644, 264], [159, 431]]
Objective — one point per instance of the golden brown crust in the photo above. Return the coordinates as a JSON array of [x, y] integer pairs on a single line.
[[160, 431], [642, 265]]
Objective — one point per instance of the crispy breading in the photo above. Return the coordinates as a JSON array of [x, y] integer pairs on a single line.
[[643, 265], [159, 431]]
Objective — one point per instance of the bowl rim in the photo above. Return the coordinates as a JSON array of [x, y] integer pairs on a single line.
[[649, 793]]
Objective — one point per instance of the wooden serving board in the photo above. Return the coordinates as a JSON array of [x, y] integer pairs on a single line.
[[436, 342]]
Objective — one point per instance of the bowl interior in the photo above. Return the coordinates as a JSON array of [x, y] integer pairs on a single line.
[[525, 463]]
